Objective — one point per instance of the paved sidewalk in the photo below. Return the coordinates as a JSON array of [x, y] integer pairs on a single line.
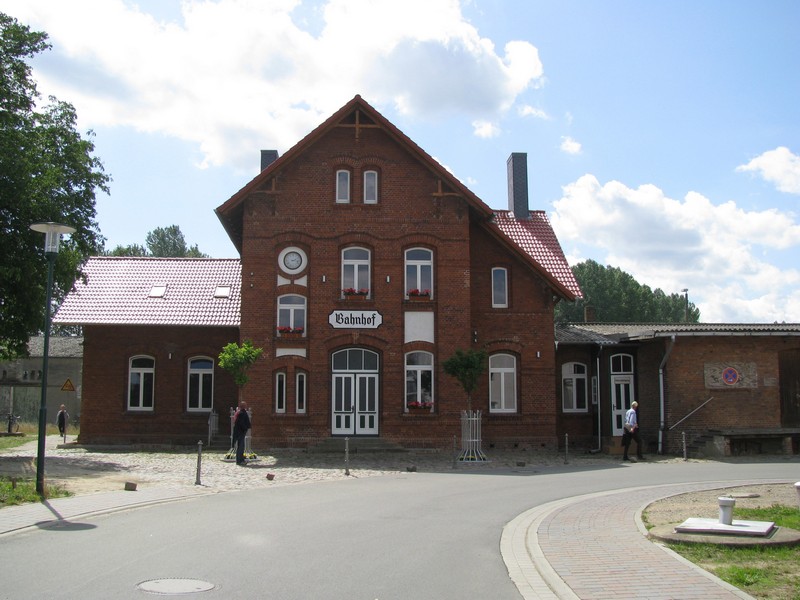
[[63, 512], [595, 547]]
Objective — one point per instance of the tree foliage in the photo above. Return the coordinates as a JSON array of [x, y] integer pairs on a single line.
[[47, 173], [466, 367], [616, 297], [161, 242], [238, 359]]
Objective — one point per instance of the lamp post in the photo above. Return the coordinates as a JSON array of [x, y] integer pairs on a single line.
[[52, 238]]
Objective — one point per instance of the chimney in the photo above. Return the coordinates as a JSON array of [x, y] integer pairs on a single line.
[[518, 185], [268, 157], [589, 315]]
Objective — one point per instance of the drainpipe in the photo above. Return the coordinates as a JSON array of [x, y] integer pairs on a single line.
[[599, 403], [662, 426]]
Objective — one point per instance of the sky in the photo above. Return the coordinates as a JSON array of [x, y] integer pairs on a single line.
[[663, 138]]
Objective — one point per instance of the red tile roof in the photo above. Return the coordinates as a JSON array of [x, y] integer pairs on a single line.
[[117, 290], [535, 237]]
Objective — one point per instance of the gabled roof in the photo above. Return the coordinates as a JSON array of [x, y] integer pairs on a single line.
[[538, 241], [203, 292], [570, 334], [620, 332], [534, 241]]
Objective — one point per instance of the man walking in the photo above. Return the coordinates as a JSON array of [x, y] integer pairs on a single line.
[[632, 432]]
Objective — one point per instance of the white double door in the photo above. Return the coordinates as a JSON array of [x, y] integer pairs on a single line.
[[354, 404]]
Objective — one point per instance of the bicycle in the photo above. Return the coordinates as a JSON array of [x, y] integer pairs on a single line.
[[13, 423]]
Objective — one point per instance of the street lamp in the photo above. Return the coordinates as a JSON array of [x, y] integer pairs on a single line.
[[52, 238]]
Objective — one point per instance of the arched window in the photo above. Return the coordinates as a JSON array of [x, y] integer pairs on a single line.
[[419, 379], [301, 392], [280, 392], [200, 385], [356, 270], [370, 187], [574, 391], [342, 186], [419, 272], [502, 383], [292, 313], [141, 382]]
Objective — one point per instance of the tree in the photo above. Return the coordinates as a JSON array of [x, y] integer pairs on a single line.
[[616, 297], [467, 367], [237, 360], [161, 242], [47, 173]]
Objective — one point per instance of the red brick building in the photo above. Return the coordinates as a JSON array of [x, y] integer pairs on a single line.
[[715, 389], [364, 266]]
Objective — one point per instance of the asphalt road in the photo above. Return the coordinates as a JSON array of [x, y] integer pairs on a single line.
[[411, 536]]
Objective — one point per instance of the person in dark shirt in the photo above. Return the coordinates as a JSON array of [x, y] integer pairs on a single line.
[[241, 423]]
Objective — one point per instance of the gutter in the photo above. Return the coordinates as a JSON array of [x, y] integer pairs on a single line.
[[599, 403], [661, 400]]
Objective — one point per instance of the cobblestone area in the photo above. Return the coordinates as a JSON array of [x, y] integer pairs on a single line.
[[82, 470]]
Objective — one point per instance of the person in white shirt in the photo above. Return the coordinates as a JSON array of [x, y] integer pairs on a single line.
[[632, 432]]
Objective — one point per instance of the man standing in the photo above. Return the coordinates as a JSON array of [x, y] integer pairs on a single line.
[[62, 419], [632, 432], [241, 423]]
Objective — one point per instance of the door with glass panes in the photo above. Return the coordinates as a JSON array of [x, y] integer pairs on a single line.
[[354, 392]]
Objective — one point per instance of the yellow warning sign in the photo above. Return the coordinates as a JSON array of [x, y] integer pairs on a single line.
[[68, 387]]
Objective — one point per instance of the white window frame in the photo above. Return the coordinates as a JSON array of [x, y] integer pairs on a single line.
[[301, 392], [292, 314], [280, 392], [370, 188], [497, 300], [416, 270], [505, 375], [203, 404], [356, 272], [570, 380], [343, 186], [142, 373], [415, 373]]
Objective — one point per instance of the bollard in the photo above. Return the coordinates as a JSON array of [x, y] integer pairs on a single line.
[[199, 460], [566, 448], [455, 453], [683, 442], [347, 456], [726, 510], [797, 489]]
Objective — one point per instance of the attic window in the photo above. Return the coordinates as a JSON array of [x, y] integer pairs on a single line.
[[222, 291], [158, 291]]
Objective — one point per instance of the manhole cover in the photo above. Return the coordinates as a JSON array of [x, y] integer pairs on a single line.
[[175, 586]]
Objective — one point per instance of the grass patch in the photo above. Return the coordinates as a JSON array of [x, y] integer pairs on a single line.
[[15, 491], [765, 572], [31, 434]]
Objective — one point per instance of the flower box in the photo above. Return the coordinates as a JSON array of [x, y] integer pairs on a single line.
[[354, 294], [290, 333], [419, 408], [416, 295]]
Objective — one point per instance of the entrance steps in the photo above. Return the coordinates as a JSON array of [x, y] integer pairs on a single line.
[[357, 445]]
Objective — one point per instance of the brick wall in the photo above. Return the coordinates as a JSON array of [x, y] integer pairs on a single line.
[[104, 415]]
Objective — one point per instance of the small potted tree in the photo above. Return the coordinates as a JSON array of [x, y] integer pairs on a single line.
[[467, 367], [237, 359]]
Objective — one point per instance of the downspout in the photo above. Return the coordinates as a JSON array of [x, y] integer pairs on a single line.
[[599, 403], [661, 401]]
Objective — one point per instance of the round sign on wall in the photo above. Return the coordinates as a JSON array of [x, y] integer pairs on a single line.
[[730, 375]]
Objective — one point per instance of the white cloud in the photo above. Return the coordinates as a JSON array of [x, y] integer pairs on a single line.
[[232, 75], [529, 111], [778, 166], [720, 252], [570, 146], [485, 129]]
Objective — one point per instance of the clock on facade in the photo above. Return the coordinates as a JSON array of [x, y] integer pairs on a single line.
[[292, 260]]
